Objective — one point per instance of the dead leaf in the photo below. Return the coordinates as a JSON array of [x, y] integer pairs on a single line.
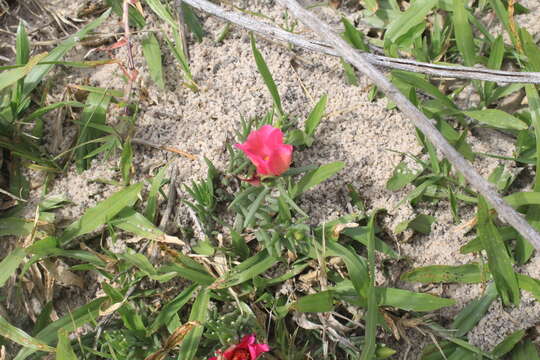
[[340, 227], [62, 275]]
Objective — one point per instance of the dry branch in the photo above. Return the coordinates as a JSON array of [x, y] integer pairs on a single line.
[[419, 120], [453, 71]]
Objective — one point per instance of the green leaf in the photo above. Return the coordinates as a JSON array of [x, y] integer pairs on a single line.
[[192, 22], [499, 261], [356, 267], [267, 76], [315, 116], [126, 161], [525, 350], [368, 350], [402, 176], [250, 217], [316, 177], [473, 312], [70, 322], [10, 264], [15, 226], [43, 110], [152, 55], [134, 222], [199, 312], [20, 337], [171, 308], [497, 118], [162, 12], [421, 223], [509, 342], [353, 36], [495, 59], [94, 113], [318, 302], [10, 77], [64, 351], [350, 73], [530, 285], [465, 274], [463, 32], [102, 213], [247, 270], [407, 20], [36, 75], [151, 205], [361, 234], [411, 301]]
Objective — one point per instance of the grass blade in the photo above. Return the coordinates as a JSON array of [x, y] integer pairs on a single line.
[[499, 261], [100, 214], [10, 264], [372, 309], [152, 55], [35, 76], [10, 77], [315, 116], [199, 312], [70, 322], [267, 76], [20, 337], [463, 32], [412, 17]]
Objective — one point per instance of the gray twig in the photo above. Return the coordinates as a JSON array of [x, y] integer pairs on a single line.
[[453, 71], [358, 60]]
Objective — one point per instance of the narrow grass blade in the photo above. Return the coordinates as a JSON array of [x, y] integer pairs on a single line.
[[64, 351], [465, 274], [473, 312], [255, 206], [95, 113], [152, 55], [199, 312], [316, 177], [20, 337], [37, 74], [103, 212], [499, 261], [135, 222], [368, 350], [497, 118], [411, 301], [10, 77], [70, 322], [463, 32], [10, 264], [151, 204], [412, 17], [171, 308], [247, 270], [315, 116], [192, 22], [509, 342], [318, 302], [162, 12], [525, 350], [267, 76]]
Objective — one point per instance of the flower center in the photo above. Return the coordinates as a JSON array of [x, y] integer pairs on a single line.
[[266, 158], [241, 354]]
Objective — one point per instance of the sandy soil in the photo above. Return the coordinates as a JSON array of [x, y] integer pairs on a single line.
[[357, 131]]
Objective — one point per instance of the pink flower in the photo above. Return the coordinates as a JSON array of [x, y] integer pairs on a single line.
[[266, 150], [247, 349]]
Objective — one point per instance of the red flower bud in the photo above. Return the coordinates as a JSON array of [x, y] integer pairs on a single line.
[[247, 349]]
